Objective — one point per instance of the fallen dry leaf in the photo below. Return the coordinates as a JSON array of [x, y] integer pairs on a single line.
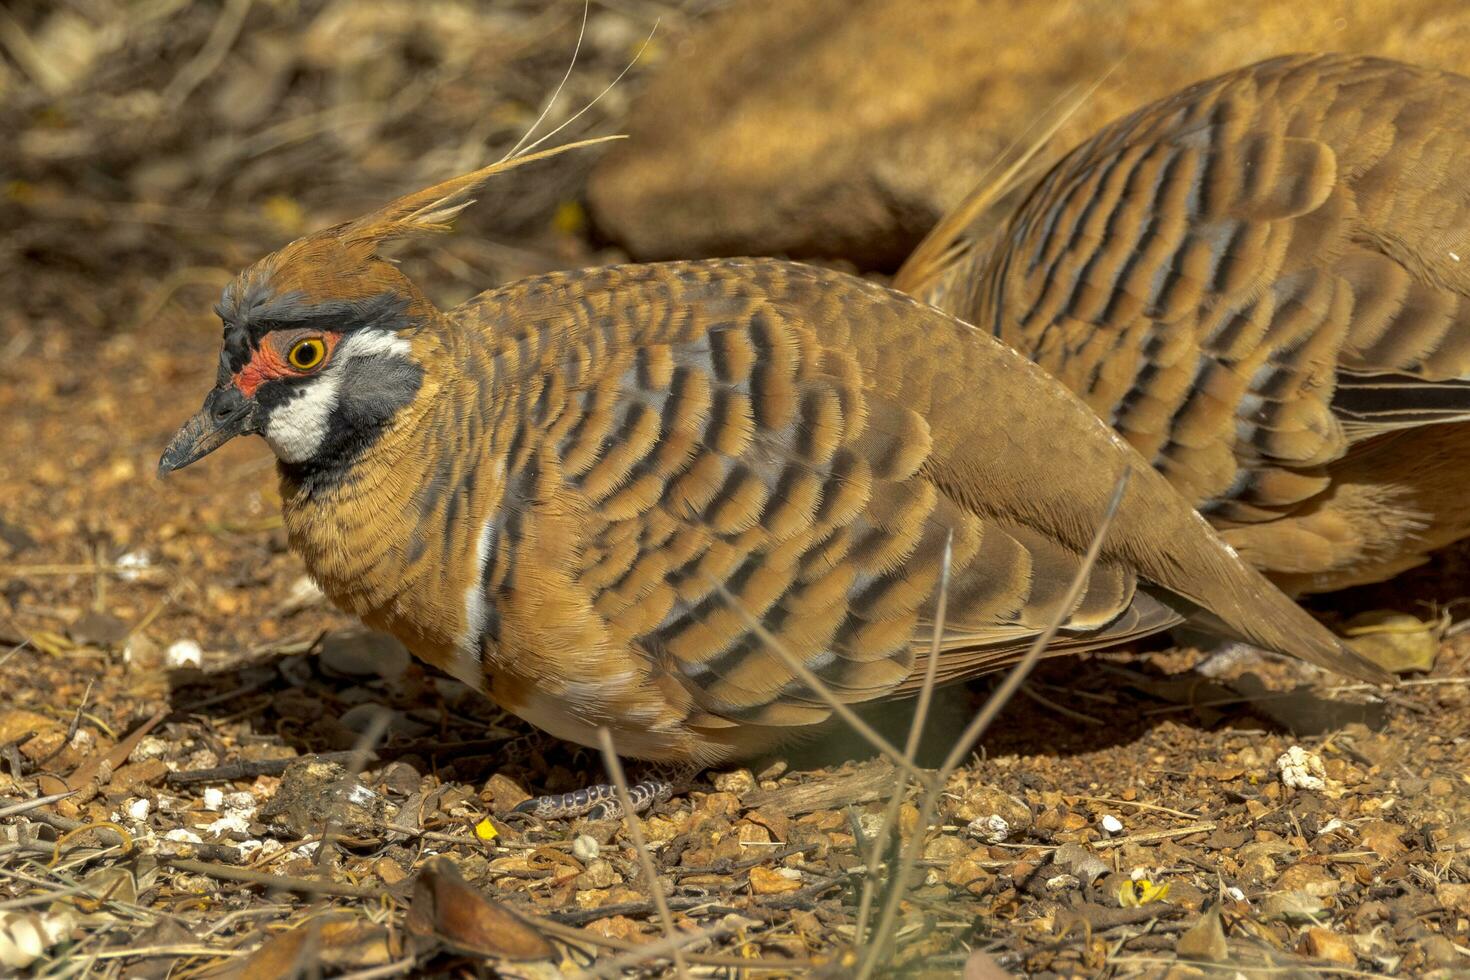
[[448, 909]]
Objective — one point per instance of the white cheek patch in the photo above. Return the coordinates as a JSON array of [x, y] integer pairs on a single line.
[[371, 343], [296, 429]]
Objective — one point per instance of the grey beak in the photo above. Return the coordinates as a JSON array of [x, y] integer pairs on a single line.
[[226, 414]]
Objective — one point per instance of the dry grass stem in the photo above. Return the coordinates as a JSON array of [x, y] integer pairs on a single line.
[[820, 688], [877, 949], [640, 845], [911, 745]]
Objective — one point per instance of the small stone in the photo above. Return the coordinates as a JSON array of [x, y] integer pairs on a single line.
[[1293, 906], [361, 718], [1205, 940], [752, 833], [138, 810], [967, 873], [182, 654], [774, 771], [585, 848], [141, 654], [1313, 879], [981, 805], [150, 747], [1300, 769], [945, 848], [361, 652], [214, 798], [1111, 824], [739, 782], [764, 881], [130, 566], [599, 874], [1080, 861], [993, 829], [1324, 944], [503, 793], [389, 870], [98, 629], [1382, 837], [313, 792], [400, 778], [1454, 895]]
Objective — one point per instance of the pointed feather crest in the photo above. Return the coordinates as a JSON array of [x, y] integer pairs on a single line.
[[433, 208]]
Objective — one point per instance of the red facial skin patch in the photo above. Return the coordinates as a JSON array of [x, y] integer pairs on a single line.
[[270, 361]]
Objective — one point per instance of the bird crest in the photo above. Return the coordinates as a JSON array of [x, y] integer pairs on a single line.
[[345, 261]]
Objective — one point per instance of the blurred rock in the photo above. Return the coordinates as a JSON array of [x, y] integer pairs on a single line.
[[313, 792], [361, 652], [844, 128], [98, 629]]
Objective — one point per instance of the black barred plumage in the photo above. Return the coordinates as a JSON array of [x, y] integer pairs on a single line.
[[1255, 281], [593, 456]]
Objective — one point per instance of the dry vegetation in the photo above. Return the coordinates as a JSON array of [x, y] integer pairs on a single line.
[[205, 771]]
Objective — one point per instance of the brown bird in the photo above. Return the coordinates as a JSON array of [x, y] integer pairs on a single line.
[[1263, 283], [542, 490]]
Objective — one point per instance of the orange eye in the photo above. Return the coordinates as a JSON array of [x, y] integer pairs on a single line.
[[307, 354]]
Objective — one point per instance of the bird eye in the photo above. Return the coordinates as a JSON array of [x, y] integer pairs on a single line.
[[307, 354]]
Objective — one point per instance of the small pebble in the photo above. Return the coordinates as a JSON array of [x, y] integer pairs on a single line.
[[138, 810], [214, 798], [183, 653], [993, 829], [358, 652], [130, 566], [585, 848], [151, 747], [240, 800], [1111, 824]]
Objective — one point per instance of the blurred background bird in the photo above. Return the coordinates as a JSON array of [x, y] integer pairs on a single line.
[[560, 491], [1263, 283]]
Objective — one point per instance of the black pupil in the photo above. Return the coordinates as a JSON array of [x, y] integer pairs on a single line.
[[306, 354]]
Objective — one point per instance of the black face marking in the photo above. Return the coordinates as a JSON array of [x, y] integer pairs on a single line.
[[370, 393], [251, 312]]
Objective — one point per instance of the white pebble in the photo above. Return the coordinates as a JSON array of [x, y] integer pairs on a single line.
[[230, 823], [993, 829], [241, 800], [131, 565], [138, 810], [585, 848], [1112, 824], [183, 653], [214, 798], [1301, 769], [1235, 893], [183, 836], [360, 795], [151, 747]]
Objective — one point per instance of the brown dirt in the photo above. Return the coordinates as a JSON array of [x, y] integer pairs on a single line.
[[182, 801]]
